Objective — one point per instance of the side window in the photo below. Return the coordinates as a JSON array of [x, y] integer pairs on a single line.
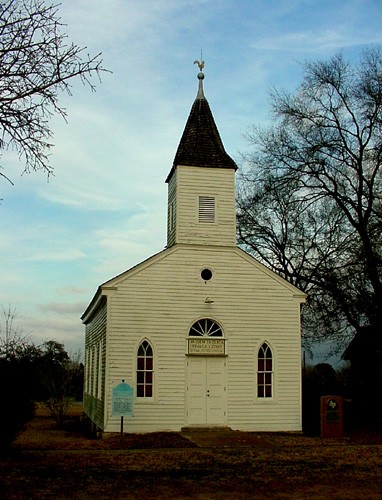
[[100, 370], [171, 216], [87, 370], [145, 370], [94, 371], [264, 372]]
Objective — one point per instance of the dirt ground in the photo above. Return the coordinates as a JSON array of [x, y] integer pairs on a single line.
[[50, 463]]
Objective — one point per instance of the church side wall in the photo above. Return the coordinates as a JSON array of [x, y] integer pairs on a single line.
[[95, 358], [162, 301]]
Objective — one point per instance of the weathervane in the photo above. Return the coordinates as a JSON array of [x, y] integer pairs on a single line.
[[201, 62], [200, 76]]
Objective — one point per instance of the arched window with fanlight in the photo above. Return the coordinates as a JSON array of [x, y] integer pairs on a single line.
[[205, 338], [145, 370], [205, 328], [265, 372]]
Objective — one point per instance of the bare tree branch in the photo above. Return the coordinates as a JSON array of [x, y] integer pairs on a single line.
[[37, 64], [310, 204]]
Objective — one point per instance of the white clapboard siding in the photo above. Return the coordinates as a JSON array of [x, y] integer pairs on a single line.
[[186, 188], [161, 298], [95, 354]]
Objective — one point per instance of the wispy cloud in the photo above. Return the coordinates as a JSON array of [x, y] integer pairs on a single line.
[[123, 246], [72, 290], [305, 41], [65, 329], [64, 308], [58, 256]]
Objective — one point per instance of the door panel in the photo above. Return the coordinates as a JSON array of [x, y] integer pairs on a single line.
[[215, 391], [206, 391], [197, 389]]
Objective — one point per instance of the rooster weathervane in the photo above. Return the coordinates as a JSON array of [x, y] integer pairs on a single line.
[[201, 62]]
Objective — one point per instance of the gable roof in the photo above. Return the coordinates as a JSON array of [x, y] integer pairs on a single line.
[[200, 144]]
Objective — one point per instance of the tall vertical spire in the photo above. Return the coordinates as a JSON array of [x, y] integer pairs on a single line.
[[200, 144]]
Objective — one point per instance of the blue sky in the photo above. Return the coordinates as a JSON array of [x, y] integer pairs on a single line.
[[105, 209]]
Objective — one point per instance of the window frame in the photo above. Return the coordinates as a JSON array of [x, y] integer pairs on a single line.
[[265, 373], [144, 371], [206, 337], [205, 328], [171, 216], [206, 209], [100, 370]]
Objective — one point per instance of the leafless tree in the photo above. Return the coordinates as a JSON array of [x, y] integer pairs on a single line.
[[310, 205], [7, 325], [37, 63], [59, 373]]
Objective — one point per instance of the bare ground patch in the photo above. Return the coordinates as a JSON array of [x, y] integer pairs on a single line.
[[47, 463]]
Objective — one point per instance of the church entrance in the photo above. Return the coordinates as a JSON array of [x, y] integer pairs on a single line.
[[206, 390]]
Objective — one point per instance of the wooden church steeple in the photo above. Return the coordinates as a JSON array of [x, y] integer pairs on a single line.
[[201, 145], [201, 186]]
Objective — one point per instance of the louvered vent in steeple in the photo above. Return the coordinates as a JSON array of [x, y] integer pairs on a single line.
[[206, 209]]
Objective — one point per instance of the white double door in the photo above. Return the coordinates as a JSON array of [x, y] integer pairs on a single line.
[[206, 391]]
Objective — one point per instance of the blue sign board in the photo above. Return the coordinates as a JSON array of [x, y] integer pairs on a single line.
[[123, 400]]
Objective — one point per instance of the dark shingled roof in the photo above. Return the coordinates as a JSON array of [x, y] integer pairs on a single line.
[[201, 145]]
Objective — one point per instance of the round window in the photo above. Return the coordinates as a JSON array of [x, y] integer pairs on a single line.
[[206, 274]]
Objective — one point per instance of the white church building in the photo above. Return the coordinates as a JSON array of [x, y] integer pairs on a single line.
[[203, 333]]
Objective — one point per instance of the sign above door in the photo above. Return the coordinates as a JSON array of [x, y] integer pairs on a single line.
[[206, 347]]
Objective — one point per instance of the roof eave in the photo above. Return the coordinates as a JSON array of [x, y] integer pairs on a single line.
[[185, 164]]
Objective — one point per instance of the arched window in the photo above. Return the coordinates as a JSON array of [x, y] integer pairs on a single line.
[[264, 372], [145, 370], [205, 328]]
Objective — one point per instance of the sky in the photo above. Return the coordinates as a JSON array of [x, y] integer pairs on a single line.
[[105, 208]]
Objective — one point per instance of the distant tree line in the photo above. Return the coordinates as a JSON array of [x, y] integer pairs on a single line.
[[30, 374]]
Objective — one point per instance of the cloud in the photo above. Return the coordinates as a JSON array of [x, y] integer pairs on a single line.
[[64, 308], [64, 328], [58, 256], [72, 290], [43, 241], [115, 162], [122, 245], [305, 41]]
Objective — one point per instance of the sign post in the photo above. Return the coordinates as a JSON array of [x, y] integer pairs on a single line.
[[122, 401]]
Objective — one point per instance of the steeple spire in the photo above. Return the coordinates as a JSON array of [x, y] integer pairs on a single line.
[[200, 144]]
